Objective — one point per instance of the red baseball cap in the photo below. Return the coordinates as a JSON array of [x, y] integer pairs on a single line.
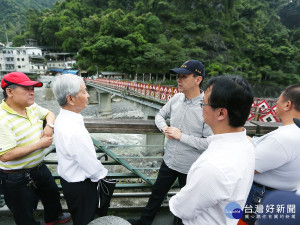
[[19, 79]]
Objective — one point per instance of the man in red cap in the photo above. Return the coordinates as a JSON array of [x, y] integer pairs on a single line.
[[24, 177]]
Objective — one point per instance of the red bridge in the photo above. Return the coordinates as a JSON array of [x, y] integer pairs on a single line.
[[262, 109]]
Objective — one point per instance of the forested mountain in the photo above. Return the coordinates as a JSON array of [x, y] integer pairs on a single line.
[[13, 14], [258, 39]]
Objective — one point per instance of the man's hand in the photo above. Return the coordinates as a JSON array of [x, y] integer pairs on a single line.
[[173, 133], [164, 131], [48, 131], [19, 152], [45, 141]]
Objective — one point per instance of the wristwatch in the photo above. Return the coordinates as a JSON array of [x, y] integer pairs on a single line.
[[50, 125]]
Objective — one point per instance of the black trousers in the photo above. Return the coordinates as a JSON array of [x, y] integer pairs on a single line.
[[165, 179], [22, 198], [82, 200], [249, 212]]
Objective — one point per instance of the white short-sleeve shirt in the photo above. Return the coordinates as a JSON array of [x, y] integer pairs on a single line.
[[277, 158]]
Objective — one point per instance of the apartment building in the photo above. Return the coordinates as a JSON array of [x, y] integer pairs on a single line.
[[22, 59], [60, 60]]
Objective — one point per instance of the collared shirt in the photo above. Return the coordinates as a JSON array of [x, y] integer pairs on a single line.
[[222, 174], [277, 158], [17, 131], [186, 115], [77, 159]]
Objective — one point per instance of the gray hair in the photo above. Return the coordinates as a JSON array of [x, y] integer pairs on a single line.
[[64, 85], [12, 86]]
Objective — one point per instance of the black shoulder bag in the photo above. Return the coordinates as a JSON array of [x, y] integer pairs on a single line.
[[105, 191]]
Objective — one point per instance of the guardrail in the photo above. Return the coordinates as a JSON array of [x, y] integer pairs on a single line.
[[134, 126], [129, 180]]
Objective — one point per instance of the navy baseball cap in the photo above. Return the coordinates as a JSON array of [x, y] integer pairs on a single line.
[[190, 66], [297, 122]]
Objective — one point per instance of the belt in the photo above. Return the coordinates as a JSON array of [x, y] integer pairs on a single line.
[[263, 186], [22, 170]]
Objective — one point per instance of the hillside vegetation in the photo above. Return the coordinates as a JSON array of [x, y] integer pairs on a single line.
[[258, 39], [13, 15]]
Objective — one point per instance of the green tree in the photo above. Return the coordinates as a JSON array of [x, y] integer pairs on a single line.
[[257, 39], [14, 12], [48, 28], [18, 40]]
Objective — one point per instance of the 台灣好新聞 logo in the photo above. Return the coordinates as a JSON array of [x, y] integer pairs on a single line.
[[233, 210]]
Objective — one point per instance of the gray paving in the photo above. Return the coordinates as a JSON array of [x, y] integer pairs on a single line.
[[164, 217]]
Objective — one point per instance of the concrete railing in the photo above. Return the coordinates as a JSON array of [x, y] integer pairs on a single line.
[[131, 126]]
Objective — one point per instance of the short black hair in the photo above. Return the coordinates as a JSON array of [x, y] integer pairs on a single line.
[[233, 93], [12, 86], [292, 93], [195, 75]]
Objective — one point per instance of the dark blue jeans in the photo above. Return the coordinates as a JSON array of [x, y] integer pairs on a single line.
[[255, 195], [22, 198], [165, 179]]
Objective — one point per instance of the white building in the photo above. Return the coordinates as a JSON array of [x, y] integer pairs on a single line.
[[61, 64], [60, 60], [22, 59]]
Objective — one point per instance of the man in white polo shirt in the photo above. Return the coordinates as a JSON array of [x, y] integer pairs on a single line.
[[23, 176], [277, 155]]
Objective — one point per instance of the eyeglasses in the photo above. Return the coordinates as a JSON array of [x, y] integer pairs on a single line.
[[213, 106], [203, 104]]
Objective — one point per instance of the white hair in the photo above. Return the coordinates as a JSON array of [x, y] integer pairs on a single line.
[[64, 85]]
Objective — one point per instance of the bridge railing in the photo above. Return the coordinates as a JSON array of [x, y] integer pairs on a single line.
[[159, 92], [263, 109]]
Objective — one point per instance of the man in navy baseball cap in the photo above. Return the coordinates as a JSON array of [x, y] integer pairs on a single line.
[[186, 136]]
